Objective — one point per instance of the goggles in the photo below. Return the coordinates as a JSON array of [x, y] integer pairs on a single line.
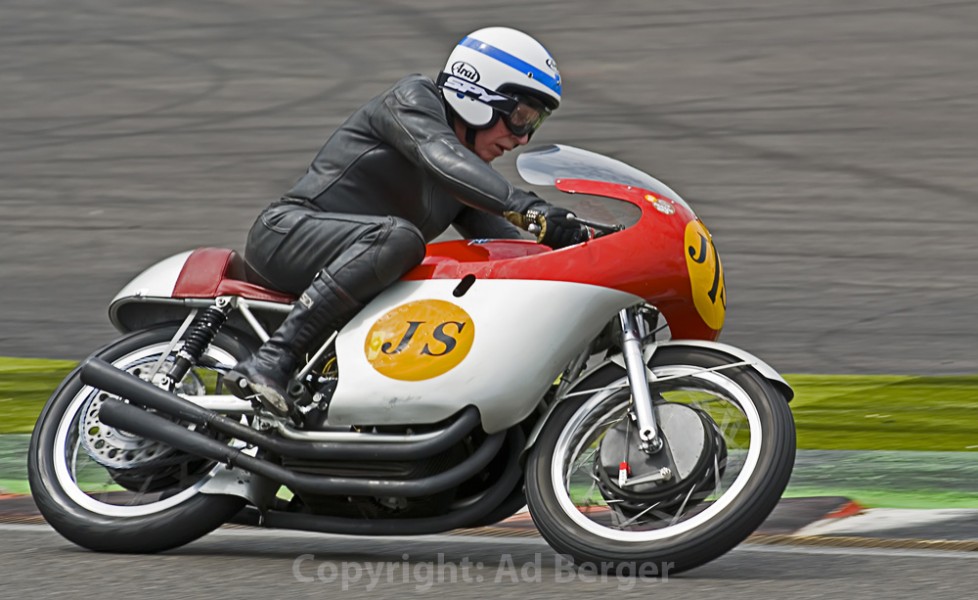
[[522, 114], [526, 117]]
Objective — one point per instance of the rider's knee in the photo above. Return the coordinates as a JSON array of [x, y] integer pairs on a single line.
[[407, 238], [403, 249]]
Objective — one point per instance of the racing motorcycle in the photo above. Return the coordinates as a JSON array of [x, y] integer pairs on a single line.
[[631, 434]]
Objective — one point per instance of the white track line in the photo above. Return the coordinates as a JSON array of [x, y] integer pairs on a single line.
[[881, 519], [894, 552]]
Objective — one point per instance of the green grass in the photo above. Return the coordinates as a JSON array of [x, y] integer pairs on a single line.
[[832, 412], [14, 486], [25, 384], [880, 412], [875, 498]]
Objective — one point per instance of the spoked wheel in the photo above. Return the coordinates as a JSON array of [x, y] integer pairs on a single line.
[[108, 490], [729, 445]]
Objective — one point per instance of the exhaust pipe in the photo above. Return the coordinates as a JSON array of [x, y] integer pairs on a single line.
[[510, 480], [99, 374], [139, 422]]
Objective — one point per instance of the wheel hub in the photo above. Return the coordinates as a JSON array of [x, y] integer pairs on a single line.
[[683, 471]]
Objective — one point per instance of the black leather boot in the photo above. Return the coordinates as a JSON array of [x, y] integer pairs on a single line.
[[323, 308]]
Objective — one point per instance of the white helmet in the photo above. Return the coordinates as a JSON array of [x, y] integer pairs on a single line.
[[500, 71]]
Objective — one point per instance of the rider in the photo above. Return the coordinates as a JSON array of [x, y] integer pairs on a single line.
[[395, 175]]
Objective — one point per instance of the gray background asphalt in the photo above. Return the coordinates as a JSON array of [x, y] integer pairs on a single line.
[[830, 147]]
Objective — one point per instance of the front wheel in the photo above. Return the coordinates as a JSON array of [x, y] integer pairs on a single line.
[[729, 450], [107, 490]]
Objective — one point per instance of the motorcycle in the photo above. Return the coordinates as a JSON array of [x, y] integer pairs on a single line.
[[450, 401]]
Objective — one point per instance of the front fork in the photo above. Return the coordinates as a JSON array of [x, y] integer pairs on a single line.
[[639, 378]]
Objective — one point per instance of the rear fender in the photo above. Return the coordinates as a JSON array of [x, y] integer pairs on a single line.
[[167, 291], [611, 374], [148, 299]]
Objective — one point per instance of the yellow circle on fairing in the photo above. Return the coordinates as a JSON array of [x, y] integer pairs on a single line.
[[420, 340], [705, 275]]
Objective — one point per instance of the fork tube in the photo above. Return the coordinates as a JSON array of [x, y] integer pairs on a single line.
[[631, 347]]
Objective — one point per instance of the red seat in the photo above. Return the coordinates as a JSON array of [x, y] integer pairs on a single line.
[[213, 272]]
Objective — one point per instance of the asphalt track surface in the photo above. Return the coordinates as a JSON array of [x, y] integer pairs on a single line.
[[830, 147], [242, 565]]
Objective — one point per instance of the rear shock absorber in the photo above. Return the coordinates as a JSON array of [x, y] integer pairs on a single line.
[[199, 337]]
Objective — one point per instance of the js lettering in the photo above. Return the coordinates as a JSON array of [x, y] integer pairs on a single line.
[[442, 335], [699, 257]]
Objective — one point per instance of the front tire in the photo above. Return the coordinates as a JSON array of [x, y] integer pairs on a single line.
[[98, 502], [579, 514]]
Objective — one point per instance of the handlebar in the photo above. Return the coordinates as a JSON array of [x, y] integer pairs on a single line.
[[597, 227]]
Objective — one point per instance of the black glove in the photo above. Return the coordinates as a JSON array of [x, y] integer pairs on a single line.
[[554, 226]]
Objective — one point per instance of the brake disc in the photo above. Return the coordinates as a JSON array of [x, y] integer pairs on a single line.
[[120, 450], [114, 448]]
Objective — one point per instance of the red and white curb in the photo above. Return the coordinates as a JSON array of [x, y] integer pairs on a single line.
[[881, 520]]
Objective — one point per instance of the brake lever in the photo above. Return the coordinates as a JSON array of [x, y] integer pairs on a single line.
[[596, 225]]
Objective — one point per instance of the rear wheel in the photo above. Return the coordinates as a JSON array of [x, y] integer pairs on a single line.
[[107, 490], [729, 450]]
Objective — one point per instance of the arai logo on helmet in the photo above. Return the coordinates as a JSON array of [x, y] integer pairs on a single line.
[[464, 70], [553, 66]]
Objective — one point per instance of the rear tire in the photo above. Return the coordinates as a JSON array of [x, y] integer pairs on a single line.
[[172, 516], [653, 544]]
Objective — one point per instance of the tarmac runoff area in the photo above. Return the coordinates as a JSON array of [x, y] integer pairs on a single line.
[[804, 516]]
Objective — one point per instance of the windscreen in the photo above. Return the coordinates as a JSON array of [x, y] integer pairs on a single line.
[[543, 166]]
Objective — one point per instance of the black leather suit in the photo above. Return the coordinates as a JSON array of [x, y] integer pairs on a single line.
[[391, 178]]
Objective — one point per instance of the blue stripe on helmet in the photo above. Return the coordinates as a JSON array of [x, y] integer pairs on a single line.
[[509, 60]]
